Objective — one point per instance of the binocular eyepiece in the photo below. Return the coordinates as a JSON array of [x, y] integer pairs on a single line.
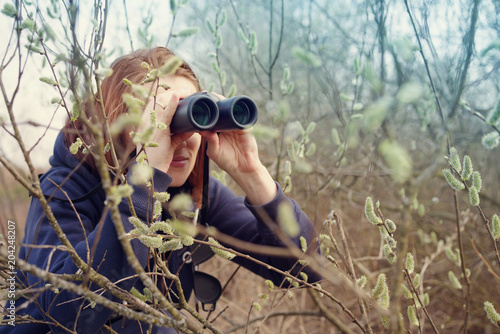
[[204, 111]]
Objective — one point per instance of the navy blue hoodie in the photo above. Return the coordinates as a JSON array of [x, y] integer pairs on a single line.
[[227, 212]]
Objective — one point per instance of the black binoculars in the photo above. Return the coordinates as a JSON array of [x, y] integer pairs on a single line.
[[205, 111]]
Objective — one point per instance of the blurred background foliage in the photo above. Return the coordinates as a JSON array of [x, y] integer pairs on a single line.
[[356, 98]]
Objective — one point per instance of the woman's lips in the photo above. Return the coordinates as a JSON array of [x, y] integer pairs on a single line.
[[179, 161]]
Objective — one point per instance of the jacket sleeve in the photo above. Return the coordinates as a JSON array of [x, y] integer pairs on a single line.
[[235, 216], [90, 229]]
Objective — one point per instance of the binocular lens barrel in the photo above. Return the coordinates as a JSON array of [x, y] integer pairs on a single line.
[[202, 114], [205, 111], [195, 113]]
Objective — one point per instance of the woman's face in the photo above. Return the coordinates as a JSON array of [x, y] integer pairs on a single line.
[[185, 154]]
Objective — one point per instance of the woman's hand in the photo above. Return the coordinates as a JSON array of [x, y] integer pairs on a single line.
[[165, 105], [236, 152]]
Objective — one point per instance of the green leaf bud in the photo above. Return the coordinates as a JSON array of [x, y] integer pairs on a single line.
[[170, 246], [303, 243], [426, 299], [288, 167], [494, 114], [210, 26], [223, 18], [256, 306], [380, 287], [361, 282], [370, 212], [127, 82], [287, 220], [270, 285], [134, 292], [157, 210], [454, 160], [169, 68], [409, 263], [152, 242], [186, 239], [336, 137], [76, 146], [188, 32], [242, 36], [140, 174], [181, 202], [138, 224], [162, 196], [9, 10], [452, 181], [304, 276], [412, 316], [491, 140], [454, 280], [311, 150], [406, 292], [416, 281], [221, 252], [467, 168], [495, 227], [103, 72], [473, 196], [476, 181], [161, 226], [144, 65], [391, 227], [390, 256], [450, 254], [49, 81], [491, 313]]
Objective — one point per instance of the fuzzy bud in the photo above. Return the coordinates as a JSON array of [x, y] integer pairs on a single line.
[[171, 245], [303, 243], [495, 227], [467, 168], [270, 285], [491, 140], [380, 287], [256, 306], [390, 256], [140, 174], [412, 316], [76, 146], [409, 263], [492, 314], [287, 220], [186, 240], [138, 224], [476, 181], [361, 282], [391, 226], [152, 242], [161, 226], [416, 281], [370, 212], [452, 181], [406, 292], [162, 196], [454, 160], [473, 196], [181, 202], [221, 252], [157, 209], [454, 280], [426, 299]]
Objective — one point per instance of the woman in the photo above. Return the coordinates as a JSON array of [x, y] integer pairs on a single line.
[[177, 165]]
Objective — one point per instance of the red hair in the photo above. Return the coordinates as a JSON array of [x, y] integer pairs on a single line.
[[112, 88]]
